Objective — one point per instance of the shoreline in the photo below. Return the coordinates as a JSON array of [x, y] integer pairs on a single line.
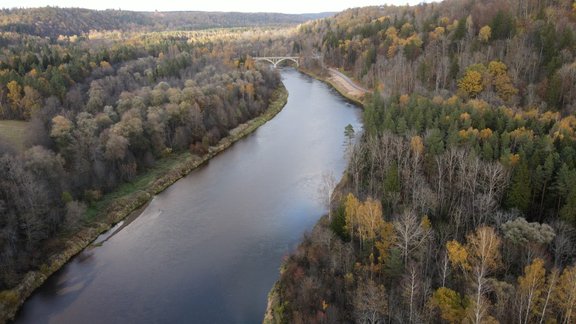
[[346, 93], [119, 206], [274, 303]]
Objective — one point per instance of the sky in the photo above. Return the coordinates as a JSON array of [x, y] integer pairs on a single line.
[[287, 6]]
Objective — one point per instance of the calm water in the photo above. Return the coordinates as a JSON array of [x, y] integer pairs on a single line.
[[208, 249]]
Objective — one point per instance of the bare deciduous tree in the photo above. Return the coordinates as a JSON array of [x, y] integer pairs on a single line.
[[327, 185], [370, 303], [411, 234]]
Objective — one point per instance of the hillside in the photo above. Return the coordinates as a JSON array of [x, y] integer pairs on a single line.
[[459, 203], [53, 21], [429, 48]]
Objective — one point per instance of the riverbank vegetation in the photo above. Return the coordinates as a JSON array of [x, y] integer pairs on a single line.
[[458, 204], [112, 120]]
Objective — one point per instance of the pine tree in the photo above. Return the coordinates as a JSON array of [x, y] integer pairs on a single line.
[[568, 212], [520, 190]]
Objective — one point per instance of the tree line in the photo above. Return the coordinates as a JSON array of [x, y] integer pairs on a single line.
[[119, 116], [54, 22], [458, 205], [433, 226], [430, 47]]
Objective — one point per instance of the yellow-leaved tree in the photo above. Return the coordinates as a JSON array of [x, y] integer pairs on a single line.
[[31, 102], [479, 257], [501, 80], [364, 222], [351, 210], [471, 83], [458, 255], [485, 34], [417, 145], [565, 295], [14, 95], [530, 288], [451, 305], [386, 239], [61, 132], [369, 220], [404, 100]]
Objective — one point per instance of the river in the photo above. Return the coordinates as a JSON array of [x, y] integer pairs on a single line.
[[208, 249]]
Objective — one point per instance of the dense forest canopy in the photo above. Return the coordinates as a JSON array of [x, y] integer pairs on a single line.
[[459, 203], [448, 47], [104, 107], [53, 21], [495, 77]]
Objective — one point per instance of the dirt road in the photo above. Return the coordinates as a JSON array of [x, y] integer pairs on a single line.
[[344, 83]]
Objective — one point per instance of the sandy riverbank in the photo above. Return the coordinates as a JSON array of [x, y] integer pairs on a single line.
[[341, 83]]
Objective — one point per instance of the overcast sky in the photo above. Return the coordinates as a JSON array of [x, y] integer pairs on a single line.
[[286, 6]]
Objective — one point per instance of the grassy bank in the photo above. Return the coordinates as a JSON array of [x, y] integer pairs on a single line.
[[117, 205]]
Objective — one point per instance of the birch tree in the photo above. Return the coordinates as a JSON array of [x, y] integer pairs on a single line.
[[412, 233], [478, 258], [565, 295], [530, 288]]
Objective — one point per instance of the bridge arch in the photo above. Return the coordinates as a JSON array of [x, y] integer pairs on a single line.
[[295, 60], [275, 60]]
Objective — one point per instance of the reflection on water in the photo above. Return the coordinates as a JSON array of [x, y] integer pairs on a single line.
[[208, 249]]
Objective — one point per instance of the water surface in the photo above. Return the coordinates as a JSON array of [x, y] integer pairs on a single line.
[[208, 249]]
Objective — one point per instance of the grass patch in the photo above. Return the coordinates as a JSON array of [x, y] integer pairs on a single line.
[[141, 183], [12, 132]]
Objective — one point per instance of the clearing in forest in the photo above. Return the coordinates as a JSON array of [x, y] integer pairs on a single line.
[[12, 132]]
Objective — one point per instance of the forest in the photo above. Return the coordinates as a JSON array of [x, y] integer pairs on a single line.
[[53, 22], [101, 109], [459, 202]]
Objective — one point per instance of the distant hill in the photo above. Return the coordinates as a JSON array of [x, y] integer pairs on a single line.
[[54, 21]]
